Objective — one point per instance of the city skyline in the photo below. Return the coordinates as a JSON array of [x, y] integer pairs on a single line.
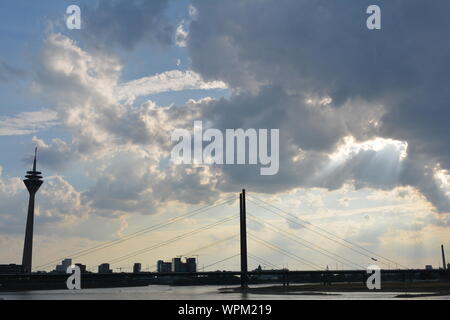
[[363, 126]]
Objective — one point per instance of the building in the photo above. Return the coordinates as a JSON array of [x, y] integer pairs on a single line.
[[163, 267], [136, 268], [10, 268], [62, 268], [177, 265], [104, 268], [191, 265], [82, 267]]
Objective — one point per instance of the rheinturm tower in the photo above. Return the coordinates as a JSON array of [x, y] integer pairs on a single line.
[[33, 181]]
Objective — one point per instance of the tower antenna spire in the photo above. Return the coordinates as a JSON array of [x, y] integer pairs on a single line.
[[34, 162]]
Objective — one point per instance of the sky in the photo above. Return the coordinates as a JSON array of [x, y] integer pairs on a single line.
[[362, 115]]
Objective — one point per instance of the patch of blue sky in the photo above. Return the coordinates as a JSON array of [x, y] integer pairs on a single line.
[[13, 161]]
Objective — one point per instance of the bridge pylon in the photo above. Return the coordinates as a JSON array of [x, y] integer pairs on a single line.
[[243, 229]]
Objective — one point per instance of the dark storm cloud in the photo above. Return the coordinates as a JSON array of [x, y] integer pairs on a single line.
[[125, 23], [323, 48], [417, 173], [318, 45]]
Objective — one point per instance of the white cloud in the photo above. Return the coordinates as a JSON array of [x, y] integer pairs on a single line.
[[56, 155], [174, 80], [28, 122], [59, 204], [119, 145], [181, 36]]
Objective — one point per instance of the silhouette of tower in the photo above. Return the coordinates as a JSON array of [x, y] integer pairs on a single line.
[[443, 257], [33, 181]]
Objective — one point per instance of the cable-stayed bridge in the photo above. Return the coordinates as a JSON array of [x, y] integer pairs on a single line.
[[349, 265]]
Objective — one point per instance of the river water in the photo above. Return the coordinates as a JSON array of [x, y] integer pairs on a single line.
[[163, 292]]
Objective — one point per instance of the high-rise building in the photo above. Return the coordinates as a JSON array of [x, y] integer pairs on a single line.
[[104, 268], [33, 182], [62, 268], [136, 267], [191, 265], [177, 265], [163, 267], [82, 267]]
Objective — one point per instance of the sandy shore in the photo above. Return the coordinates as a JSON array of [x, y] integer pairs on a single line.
[[405, 290]]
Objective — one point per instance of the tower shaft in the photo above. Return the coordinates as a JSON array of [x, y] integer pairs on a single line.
[[27, 257]]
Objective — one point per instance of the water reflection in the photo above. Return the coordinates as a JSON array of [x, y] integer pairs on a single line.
[[156, 292]]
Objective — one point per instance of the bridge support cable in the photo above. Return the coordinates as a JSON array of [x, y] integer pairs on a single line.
[[263, 261], [309, 245], [223, 260], [332, 234], [285, 252], [210, 245], [303, 223], [143, 231], [170, 241], [204, 247]]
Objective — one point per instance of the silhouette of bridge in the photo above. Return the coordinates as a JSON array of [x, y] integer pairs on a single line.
[[353, 267]]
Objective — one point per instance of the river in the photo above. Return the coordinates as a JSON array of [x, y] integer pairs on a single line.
[[164, 292]]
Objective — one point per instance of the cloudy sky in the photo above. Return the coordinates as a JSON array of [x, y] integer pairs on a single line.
[[363, 118]]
